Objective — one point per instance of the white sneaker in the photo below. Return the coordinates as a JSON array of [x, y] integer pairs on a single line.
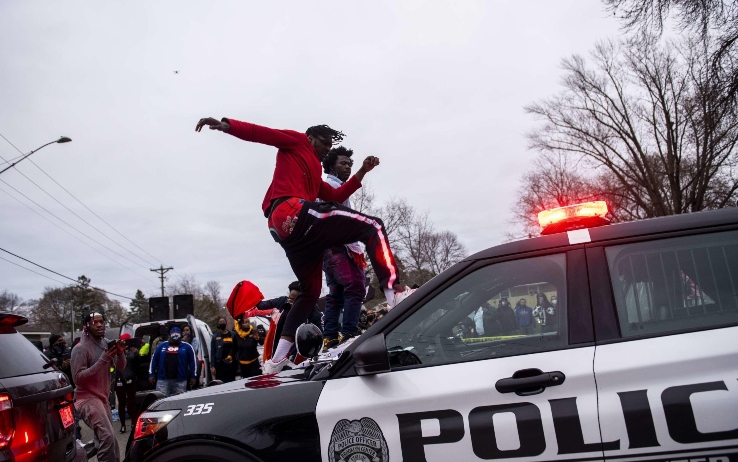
[[271, 367]]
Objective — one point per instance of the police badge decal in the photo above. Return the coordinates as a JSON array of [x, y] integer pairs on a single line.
[[357, 441]]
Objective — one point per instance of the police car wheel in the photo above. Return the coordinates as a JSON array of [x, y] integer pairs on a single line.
[[202, 450]]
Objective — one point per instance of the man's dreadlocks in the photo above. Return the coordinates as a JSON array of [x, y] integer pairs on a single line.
[[330, 159], [324, 131]]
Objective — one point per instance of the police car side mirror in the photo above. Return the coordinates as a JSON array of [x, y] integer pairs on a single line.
[[371, 356]]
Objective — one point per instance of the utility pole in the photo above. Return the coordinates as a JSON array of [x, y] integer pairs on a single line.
[[161, 270]]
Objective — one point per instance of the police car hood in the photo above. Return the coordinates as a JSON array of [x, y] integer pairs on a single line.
[[270, 414], [262, 382]]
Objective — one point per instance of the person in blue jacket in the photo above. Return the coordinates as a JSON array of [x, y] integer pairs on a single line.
[[172, 363]]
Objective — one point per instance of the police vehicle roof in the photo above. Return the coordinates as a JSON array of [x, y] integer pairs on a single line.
[[672, 223]]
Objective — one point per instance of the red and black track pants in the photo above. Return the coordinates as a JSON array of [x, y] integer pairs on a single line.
[[319, 226]]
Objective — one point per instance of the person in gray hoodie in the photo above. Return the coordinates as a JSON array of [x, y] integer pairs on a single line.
[[91, 363]]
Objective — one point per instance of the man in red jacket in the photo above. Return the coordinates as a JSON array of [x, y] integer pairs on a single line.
[[305, 228]]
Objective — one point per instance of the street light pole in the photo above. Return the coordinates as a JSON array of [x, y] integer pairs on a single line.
[[63, 139]]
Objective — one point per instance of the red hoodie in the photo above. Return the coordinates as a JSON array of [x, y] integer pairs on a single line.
[[298, 170]]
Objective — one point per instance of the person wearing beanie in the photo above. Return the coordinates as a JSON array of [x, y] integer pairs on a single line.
[[172, 364], [125, 384]]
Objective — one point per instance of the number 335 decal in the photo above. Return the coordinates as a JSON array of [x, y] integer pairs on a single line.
[[196, 409]]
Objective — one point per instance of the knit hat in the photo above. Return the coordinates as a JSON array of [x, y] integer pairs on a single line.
[[175, 328], [125, 336], [53, 339]]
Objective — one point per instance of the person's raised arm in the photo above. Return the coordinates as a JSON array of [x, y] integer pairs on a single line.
[[343, 192], [269, 304], [282, 139]]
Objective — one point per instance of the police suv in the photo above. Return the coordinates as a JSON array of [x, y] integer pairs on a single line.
[[592, 342]]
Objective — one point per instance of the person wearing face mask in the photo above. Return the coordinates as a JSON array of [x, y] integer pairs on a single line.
[[172, 363], [221, 353]]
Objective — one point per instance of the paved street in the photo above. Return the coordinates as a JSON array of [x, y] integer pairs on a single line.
[[122, 437]]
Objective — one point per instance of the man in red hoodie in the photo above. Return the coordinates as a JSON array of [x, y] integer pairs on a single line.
[[305, 228]]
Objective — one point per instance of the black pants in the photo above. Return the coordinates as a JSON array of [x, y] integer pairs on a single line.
[[250, 370], [322, 225], [126, 395], [225, 372]]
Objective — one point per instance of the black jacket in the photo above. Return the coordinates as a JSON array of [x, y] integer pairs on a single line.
[[129, 372], [60, 354], [216, 346]]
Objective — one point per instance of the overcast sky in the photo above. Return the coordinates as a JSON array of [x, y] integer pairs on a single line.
[[435, 89]]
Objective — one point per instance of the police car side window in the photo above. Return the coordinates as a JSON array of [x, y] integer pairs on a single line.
[[509, 308], [670, 285]]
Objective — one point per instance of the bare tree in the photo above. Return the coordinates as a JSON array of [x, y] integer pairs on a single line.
[[649, 121], [443, 250], [10, 302], [421, 251], [363, 199], [715, 22], [213, 290], [205, 307], [115, 313], [555, 180]]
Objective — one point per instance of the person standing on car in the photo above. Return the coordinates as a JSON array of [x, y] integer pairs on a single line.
[[343, 265], [91, 363], [305, 228], [247, 338], [172, 363], [125, 384], [222, 352]]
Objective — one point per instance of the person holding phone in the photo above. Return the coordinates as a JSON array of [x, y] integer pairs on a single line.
[[91, 363]]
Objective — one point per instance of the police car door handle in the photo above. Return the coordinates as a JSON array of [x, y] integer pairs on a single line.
[[529, 382]]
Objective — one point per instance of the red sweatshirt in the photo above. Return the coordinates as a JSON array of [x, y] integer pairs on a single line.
[[298, 171]]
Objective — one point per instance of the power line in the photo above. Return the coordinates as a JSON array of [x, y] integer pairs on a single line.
[[66, 231], [92, 212], [85, 206], [29, 269], [85, 221], [59, 274], [85, 235]]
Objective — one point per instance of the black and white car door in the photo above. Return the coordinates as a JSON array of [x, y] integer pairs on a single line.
[[476, 375], [667, 367]]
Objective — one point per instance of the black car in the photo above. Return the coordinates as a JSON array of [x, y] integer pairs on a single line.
[[614, 342], [36, 401]]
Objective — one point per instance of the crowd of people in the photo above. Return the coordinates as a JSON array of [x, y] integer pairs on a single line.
[[503, 319], [314, 223]]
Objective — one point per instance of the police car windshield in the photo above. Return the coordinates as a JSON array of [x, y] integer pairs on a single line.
[[475, 316]]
